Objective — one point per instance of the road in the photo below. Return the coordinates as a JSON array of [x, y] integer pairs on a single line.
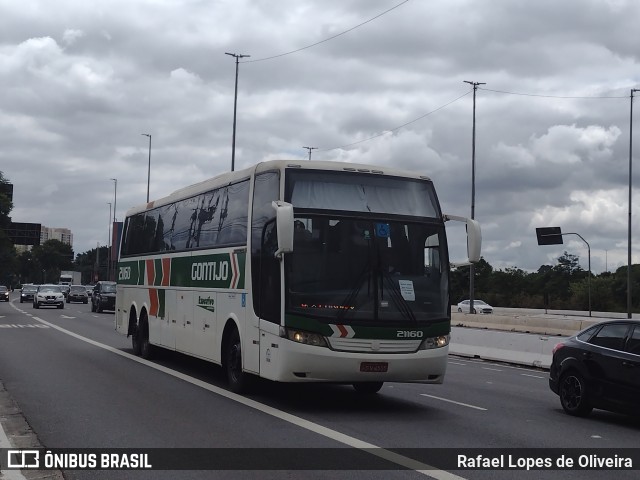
[[77, 384]]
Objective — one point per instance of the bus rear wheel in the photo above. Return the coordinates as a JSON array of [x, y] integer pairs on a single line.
[[140, 339], [368, 387], [239, 381]]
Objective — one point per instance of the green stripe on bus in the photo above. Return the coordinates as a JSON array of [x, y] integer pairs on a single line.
[[161, 302], [157, 264], [198, 271]]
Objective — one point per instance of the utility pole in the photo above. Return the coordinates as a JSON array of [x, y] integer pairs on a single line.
[[472, 270], [629, 221], [310, 148], [235, 107]]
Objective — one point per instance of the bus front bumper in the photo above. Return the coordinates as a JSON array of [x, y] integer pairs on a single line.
[[290, 361]]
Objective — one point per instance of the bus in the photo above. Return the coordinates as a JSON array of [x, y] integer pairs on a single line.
[[292, 271]]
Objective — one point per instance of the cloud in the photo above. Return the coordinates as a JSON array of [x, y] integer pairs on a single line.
[[75, 104]]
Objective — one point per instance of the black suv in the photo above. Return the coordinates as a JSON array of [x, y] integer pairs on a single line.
[[103, 297]]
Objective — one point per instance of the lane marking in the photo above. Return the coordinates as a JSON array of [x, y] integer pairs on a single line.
[[348, 440], [453, 401], [532, 376], [456, 363], [492, 369]]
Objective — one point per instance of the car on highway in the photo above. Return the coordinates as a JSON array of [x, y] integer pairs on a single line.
[[77, 293], [478, 306], [104, 296], [27, 292], [89, 289], [4, 293], [598, 367], [48, 295]]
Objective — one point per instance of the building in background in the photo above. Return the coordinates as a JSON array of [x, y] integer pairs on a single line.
[[64, 235]]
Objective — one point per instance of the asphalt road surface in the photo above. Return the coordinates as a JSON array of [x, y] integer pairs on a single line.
[[77, 385]]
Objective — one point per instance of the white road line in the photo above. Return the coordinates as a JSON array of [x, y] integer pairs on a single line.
[[453, 401], [492, 369], [532, 376], [353, 442], [456, 363]]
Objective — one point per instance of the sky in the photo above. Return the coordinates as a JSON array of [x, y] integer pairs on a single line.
[[379, 82]]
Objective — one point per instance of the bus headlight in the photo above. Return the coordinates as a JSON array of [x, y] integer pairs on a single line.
[[307, 338], [434, 342]]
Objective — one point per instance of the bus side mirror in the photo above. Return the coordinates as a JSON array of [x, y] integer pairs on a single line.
[[474, 239], [284, 226]]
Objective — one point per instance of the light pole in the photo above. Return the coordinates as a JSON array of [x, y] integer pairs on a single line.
[[310, 148], [589, 257], [629, 226], [109, 244], [115, 197], [149, 169], [235, 107], [472, 270]]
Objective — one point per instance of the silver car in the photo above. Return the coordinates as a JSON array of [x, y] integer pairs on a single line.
[[50, 295]]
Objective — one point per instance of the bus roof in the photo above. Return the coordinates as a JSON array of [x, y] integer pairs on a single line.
[[233, 177]]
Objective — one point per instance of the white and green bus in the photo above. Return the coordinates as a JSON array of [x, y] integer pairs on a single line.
[[295, 272]]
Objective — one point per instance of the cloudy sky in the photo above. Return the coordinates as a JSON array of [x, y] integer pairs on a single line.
[[381, 82]]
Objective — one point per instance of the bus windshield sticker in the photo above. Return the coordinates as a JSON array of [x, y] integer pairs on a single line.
[[382, 230], [406, 290]]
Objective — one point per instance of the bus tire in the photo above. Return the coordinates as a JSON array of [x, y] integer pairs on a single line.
[[238, 380], [146, 349], [135, 340], [368, 387]]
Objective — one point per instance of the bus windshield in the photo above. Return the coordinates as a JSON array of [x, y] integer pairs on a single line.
[[363, 193], [367, 272]]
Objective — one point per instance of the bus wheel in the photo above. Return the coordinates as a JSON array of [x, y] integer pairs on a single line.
[[135, 339], [368, 387], [238, 380], [146, 349]]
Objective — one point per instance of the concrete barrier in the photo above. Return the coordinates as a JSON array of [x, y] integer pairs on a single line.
[[528, 349], [526, 323]]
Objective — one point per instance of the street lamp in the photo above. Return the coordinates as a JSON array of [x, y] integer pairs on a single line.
[[149, 169], [115, 197], [629, 226], [472, 269], [310, 148], [109, 243], [553, 236], [235, 106]]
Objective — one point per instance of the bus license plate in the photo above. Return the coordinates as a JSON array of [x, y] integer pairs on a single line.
[[374, 367]]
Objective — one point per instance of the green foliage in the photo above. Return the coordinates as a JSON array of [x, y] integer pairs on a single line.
[[7, 250], [564, 286]]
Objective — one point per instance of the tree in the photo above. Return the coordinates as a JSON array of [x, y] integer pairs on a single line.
[[87, 263], [7, 250], [51, 257]]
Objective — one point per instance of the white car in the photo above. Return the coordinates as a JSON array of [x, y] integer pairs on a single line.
[[478, 306], [48, 295]]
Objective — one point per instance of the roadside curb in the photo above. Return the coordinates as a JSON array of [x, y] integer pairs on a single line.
[[15, 432]]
